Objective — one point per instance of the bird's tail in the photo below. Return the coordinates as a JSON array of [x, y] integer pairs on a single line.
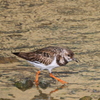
[[20, 54], [15, 53]]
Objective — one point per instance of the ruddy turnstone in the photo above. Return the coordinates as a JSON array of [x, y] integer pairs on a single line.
[[48, 58]]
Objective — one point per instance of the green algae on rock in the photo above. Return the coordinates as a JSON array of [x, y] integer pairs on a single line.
[[5, 99], [86, 98], [24, 85], [43, 83]]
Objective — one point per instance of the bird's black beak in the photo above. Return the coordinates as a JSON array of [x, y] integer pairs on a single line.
[[74, 59]]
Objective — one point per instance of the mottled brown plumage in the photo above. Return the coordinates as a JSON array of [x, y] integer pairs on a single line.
[[46, 55]]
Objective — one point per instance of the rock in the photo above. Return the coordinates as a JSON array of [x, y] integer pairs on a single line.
[[86, 98], [62, 98], [0, 75], [43, 83], [24, 85], [5, 99], [99, 99]]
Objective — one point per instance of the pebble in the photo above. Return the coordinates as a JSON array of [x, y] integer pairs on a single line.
[[43, 83], [24, 85], [86, 98]]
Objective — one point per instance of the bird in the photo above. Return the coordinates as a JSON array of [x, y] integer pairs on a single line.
[[48, 58]]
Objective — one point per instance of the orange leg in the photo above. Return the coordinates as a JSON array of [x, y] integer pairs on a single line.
[[63, 82], [37, 76]]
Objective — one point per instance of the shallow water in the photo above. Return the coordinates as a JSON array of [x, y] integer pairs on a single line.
[[30, 25]]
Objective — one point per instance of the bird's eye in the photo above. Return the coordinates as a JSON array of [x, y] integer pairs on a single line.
[[69, 55]]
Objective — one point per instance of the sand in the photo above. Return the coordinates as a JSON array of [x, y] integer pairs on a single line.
[[27, 25]]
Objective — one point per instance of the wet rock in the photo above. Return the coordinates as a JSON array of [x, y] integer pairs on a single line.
[[24, 85], [11, 95], [0, 75], [62, 98], [43, 83], [5, 99], [86, 98]]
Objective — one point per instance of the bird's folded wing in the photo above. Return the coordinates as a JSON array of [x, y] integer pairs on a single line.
[[45, 55]]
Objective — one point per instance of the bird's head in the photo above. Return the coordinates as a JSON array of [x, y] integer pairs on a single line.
[[69, 55]]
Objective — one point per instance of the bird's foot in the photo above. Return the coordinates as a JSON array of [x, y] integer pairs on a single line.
[[36, 82], [61, 81]]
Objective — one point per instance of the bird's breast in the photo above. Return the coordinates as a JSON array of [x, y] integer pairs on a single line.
[[61, 61]]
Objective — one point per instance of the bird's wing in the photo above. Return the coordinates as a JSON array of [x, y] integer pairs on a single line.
[[44, 55]]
